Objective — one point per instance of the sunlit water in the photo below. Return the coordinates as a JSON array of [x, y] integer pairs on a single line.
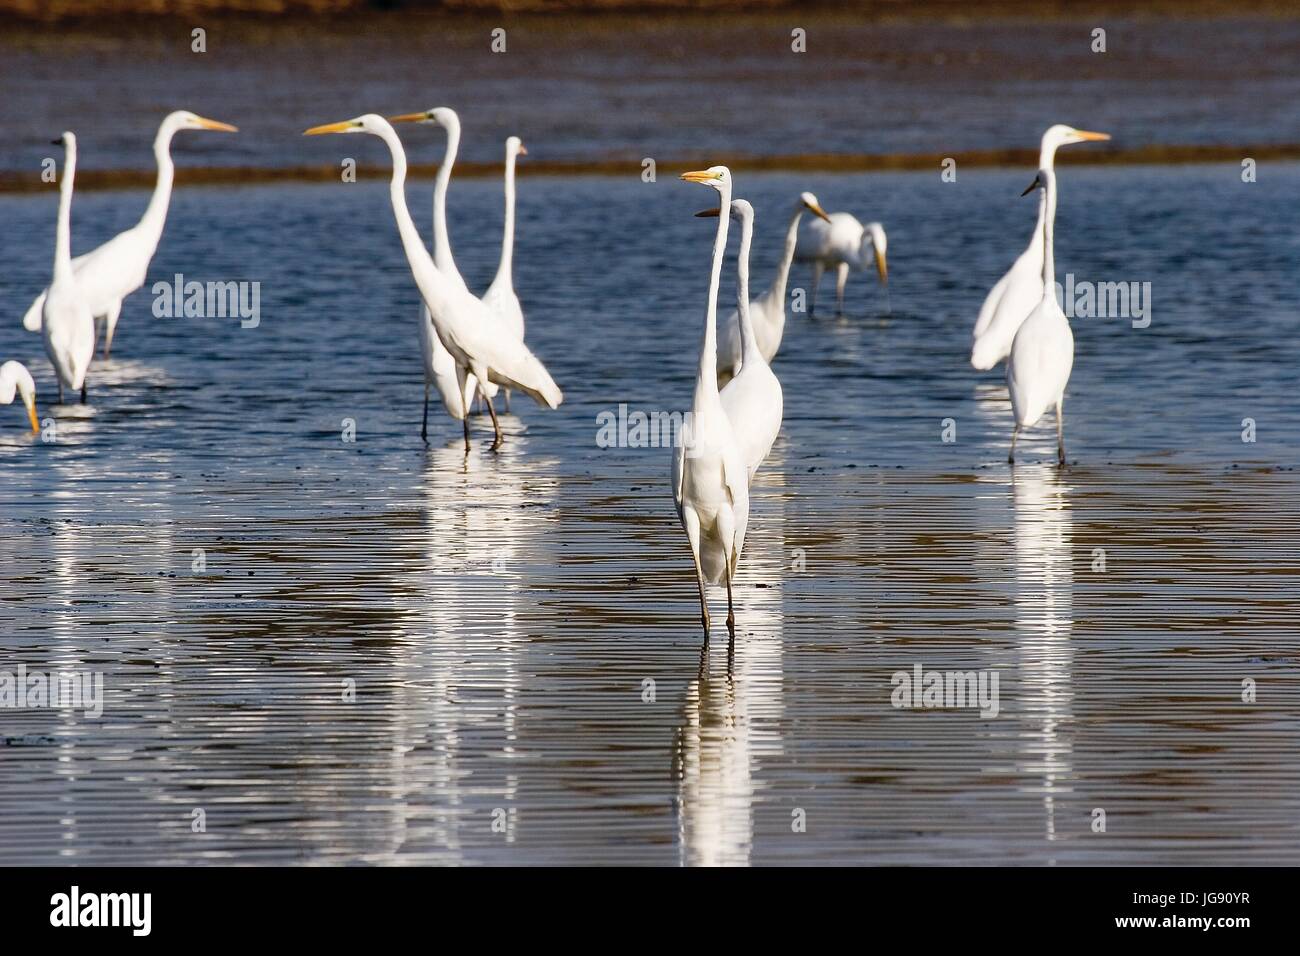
[[521, 627]]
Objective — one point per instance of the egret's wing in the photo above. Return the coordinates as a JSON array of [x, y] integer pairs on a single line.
[[991, 304]]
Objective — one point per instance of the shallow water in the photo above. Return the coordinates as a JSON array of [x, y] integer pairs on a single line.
[[500, 614]]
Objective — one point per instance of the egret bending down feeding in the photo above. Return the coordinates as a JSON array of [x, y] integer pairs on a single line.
[[500, 296], [767, 312], [1016, 293], [752, 399], [844, 243], [110, 273], [472, 333], [15, 377], [1042, 353], [710, 481], [67, 325]]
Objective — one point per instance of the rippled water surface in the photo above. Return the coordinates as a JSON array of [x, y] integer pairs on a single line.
[[521, 627]]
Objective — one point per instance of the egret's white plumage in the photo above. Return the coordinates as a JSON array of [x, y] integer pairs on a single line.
[[473, 334], [500, 295], [767, 312], [111, 272], [1016, 294], [67, 325], [752, 399], [1042, 352], [710, 483], [842, 242], [14, 378]]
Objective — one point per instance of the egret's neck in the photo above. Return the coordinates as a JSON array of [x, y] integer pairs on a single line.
[[508, 233], [787, 256], [749, 351], [441, 242], [1047, 156], [411, 242], [706, 381], [1049, 223], [63, 231], [1036, 237], [156, 214]]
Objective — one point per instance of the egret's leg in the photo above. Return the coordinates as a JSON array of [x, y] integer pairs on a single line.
[[691, 522], [1060, 434], [465, 421], [731, 614], [1011, 456], [507, 392], [424, 422], [841, 279], [817, 270], [110, 324], [83, 391], [496, 425]]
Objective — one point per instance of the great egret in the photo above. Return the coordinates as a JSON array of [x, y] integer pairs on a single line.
[[1042, 353], [67, 324], [110, 273], [500, 296], [471, 332], [842, 242], [456, 385], [710, 485], [752, 399], [767, 312], [14, 377], [1017, 292]]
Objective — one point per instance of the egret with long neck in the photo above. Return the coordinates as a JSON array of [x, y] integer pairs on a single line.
[[67, 325]]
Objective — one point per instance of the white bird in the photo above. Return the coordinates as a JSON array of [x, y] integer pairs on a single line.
[[710, 483], [1042, 353], [842, 242], [14, 377], [472, 333], [110, 273], [67, 324], [752, 399], [500, 295], [1017, 292], [767, 312]]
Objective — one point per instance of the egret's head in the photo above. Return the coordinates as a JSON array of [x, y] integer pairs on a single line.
[[874, 233], [68, 140], [809, 201], [741, 212], [184, 119], [366, 123], [718, 177], [1045, 177], [443, 116], [1062, 135], [15, 377], [515, 147]]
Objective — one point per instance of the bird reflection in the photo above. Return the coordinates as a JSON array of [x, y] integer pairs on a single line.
[[1044, 618]]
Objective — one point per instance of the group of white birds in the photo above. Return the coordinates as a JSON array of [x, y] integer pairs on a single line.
[[473, 346]]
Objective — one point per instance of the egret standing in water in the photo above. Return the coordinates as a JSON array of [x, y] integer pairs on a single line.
[[710, 482], [67, 324], [1042, 353], [111, 272], [500, 296], [14, 377], [752, 399], [842, 242], [471, 332], [767, 312], [1017, 292]]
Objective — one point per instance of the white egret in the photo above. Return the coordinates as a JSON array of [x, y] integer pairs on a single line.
[[471, 332], [710, 484], [67, 324], [842, 242], [500, 295], [767, 312], [1042, 353], [14, 377], [1017, 292], [752, 399], [111, 272]]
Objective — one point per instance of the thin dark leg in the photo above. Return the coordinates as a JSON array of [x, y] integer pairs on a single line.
[[424, 422], [1011, 456], [1060, 436], [731, 614], [496, 425]]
